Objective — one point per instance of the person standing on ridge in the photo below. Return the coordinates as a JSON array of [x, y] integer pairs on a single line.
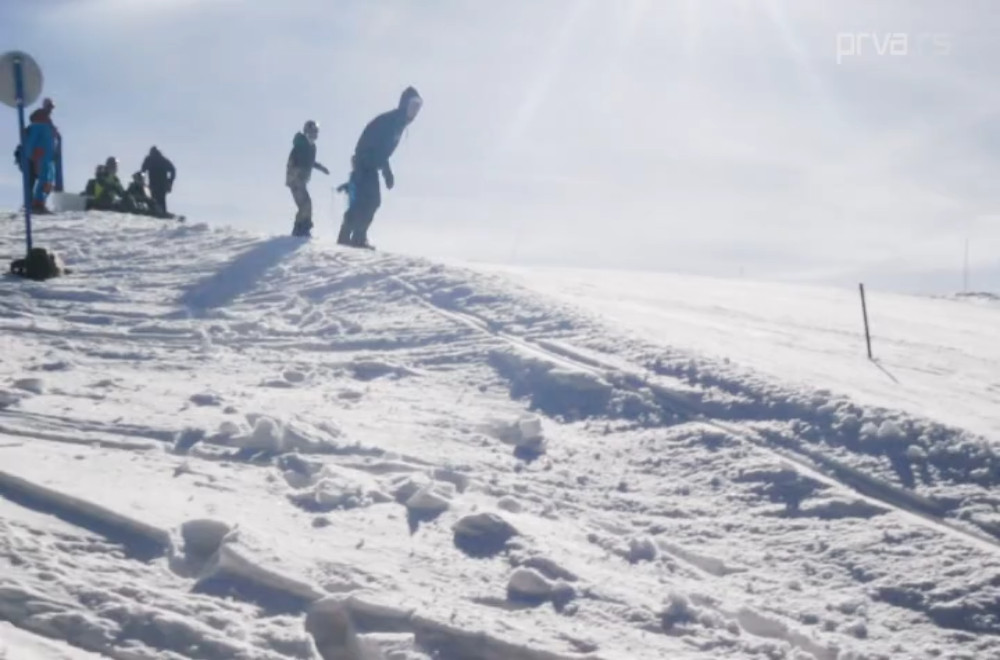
[[42, 115], [40, 145], [377, 143], [301, 162], [161, 176]]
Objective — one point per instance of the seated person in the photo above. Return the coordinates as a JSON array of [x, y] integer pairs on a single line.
[[93, 187], [109, 190], [141, 200]]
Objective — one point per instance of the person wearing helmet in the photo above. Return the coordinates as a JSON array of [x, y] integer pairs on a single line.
[[111, 190], [301, 162], [93, 188], [377, 143]]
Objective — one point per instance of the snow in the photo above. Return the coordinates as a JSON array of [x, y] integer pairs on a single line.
[[215, 445], [17, 644]]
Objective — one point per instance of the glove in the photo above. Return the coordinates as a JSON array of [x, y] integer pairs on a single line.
[[390, 180]]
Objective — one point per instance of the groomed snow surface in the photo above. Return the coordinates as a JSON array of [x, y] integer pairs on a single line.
[[215, 445]]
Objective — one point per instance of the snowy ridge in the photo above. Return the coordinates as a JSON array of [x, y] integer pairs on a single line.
[[362, 455]]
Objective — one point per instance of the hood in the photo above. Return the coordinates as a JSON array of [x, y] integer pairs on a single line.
[[408, 93]]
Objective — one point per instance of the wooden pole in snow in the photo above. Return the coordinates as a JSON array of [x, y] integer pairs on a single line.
[[864, 312]]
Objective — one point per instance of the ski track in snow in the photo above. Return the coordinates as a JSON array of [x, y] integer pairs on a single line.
[[214, 445]]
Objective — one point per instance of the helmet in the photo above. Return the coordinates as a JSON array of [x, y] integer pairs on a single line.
[[311, 129]]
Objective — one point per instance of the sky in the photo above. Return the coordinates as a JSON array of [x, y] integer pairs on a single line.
[[821, 141]]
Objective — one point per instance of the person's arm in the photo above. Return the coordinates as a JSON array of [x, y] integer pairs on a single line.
[[390, 179], [322, 168]]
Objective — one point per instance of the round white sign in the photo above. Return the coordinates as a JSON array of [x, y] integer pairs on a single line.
[[31, 78]]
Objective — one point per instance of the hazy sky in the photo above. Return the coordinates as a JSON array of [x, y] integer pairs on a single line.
[[815, 140]]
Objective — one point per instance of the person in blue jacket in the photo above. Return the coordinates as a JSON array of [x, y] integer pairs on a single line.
[[40, 147], [301, 163], [377, 143]]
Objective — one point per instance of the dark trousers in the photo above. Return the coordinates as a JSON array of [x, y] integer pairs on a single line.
[[303, 216], [159, 194], [365, 196]]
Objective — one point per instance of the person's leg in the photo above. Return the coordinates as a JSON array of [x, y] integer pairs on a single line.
[[303, 218], [43, 186], [369, 191], [159, 194]]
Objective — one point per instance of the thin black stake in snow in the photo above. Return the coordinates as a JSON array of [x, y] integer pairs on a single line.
[[864, 312], [965, 269]]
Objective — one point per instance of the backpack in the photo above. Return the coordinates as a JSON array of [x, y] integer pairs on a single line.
[[40, 264]]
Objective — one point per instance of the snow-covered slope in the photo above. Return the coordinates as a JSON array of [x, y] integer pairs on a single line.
[[214, 445], [934, 357]]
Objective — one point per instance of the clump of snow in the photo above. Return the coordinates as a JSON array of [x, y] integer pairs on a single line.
[[334, 632], [338, 488], [677, 611], [370, 369], [267, 435], [857, 628], [431, 500], [869, 431], [302, 437], [510, 504], [350, 394], [641, 549], [406, 486], [203, 537], [545, 565], [528, 585], [232, 562], [206, 399], [298, 471], [294, 376], [482, 534], [458, 479], [529, 437], [33, 385], [525, 434], [9, 398], [890, 430], [229, 428], [335, 492]]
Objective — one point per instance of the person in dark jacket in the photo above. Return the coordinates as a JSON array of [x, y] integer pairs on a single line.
[[301, 163], [161, 174], [377, 143]]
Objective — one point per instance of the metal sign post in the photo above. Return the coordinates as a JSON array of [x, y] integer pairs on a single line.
[[20, 85]]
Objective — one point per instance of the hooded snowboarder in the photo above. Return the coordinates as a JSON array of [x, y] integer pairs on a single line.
[[162, 175], [301, 162], [377, 143]]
